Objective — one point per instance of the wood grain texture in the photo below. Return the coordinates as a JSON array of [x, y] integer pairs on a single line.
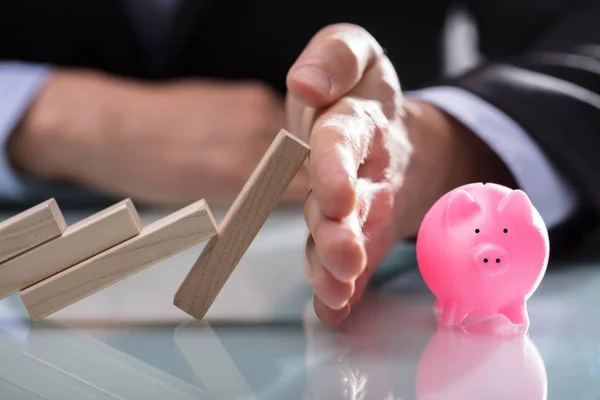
[[78, 242], [30, 228], [157, 241], [243, 221]]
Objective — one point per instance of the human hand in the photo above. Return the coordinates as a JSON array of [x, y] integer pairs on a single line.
[[378, 161], [166, 144]]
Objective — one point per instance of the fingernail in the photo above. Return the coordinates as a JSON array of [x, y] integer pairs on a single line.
[[315, 76]]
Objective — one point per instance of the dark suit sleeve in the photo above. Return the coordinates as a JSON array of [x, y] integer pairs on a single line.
[[551, 87]]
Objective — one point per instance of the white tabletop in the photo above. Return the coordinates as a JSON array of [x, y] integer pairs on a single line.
[[261, 339]]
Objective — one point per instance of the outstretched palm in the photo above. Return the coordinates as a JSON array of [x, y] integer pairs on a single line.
[[359, 153]]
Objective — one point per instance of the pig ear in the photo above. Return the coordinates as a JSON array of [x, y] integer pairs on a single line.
[[516, 203], [461, 206]]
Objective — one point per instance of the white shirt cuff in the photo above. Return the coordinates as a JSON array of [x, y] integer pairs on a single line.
[[19, 83]]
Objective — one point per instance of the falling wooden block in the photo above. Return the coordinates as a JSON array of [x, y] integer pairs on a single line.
[[243, 221], [78, 242], [157, 241], [30, 228]]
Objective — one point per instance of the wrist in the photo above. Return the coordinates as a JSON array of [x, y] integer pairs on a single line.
[[472, 159], [456, 155], [71, 114], [446, 154]]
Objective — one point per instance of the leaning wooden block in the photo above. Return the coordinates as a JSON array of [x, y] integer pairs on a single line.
[[30, 228], [157, 241], [243, 221], [79, 242]]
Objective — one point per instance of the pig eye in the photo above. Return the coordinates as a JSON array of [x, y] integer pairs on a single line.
[[476, 230], [505, 230]]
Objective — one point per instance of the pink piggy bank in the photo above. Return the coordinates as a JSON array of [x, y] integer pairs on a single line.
[[483, 250]]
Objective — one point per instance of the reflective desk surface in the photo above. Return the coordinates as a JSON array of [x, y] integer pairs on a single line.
[[261, 339]]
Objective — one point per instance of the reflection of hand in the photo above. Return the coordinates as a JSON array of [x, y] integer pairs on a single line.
[[378, 161], [162, 144], [348, 366], [357, 360]]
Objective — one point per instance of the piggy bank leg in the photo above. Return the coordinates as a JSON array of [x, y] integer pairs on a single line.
[[453, 314], [517, 313]]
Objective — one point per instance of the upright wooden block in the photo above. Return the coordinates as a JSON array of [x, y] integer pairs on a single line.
[[30, 228], [157, 241], [79, 242], [243, 221]]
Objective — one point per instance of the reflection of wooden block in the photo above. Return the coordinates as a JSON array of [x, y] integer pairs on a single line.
[[80, 356], [242, 223], [212, 364], [23, 377], [157, 241], [79, 242], [30, 228]]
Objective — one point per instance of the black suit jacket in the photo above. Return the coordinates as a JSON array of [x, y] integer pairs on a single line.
[[542, 58]]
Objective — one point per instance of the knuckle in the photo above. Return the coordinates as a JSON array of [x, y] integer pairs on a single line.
[[341, 51], [344, 28], [339, 44], [352, 127], [341, 41], [344, 40]]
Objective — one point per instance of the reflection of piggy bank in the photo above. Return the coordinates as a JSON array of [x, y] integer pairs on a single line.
[[482, 250], [481, 365]]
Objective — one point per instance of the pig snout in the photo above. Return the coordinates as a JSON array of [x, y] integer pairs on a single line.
[[491, 259]]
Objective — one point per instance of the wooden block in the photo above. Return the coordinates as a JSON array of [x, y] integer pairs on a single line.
[[30, 228], [79, 242], [242, 223], [157, 241]]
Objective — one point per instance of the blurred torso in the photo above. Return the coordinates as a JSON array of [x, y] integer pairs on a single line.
[[237, 39]]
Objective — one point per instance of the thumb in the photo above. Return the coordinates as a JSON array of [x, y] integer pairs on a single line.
[[332, 64]]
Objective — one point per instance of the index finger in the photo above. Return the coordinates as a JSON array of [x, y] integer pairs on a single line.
[[332, 64], [339, 143]]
